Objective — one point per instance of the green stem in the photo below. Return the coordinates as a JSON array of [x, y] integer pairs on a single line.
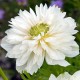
[[3, 75], [23, 77], [27, 75]]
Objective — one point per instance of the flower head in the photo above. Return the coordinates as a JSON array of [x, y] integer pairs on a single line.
[[66, 76], [58, 3], [46, 34], [2, 12], [22, 2]]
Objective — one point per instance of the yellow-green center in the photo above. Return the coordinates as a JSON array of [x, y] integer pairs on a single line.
[[38, 28]]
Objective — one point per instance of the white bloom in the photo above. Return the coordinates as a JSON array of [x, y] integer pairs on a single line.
[[66, 76], [45, 33]]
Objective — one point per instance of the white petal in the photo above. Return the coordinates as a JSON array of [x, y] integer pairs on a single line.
[[29, 66], [45, 8], [18, 23], [64, 76], [23, 59], [20, 68], [41, 9], [37, 12], [14, 52], [34, 17], [75, 76], [39, 52], [61, 62], [33, 69], [56, 62], [40, 60], [14, 38], [52, 77], [15, 31], [70, 24], [32, 64], [28, 18], [28, 46], [54, 54], [70, 49], [6, 45]]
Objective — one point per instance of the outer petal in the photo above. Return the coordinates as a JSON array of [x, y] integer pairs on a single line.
[[32, 58], [30, 66], [70, 24], [64, 76], [75, 76], [52, 77], [18, 23], [33, 65], [74, 50], [6, 45], [28, 47], [39, 52], [20, 68], [66, 45], [54, 54], [15, 52], [56, 62], [23, 59], [28, 18], [34, 69], [15, 31], [15, 39]]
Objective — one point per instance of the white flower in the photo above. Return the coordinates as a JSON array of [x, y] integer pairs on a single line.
[[45, 33], [66, 76]]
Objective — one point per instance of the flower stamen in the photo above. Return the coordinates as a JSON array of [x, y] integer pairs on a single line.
[[38, 28]]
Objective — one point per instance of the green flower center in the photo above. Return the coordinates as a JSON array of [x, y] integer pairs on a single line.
[[38, 28]]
